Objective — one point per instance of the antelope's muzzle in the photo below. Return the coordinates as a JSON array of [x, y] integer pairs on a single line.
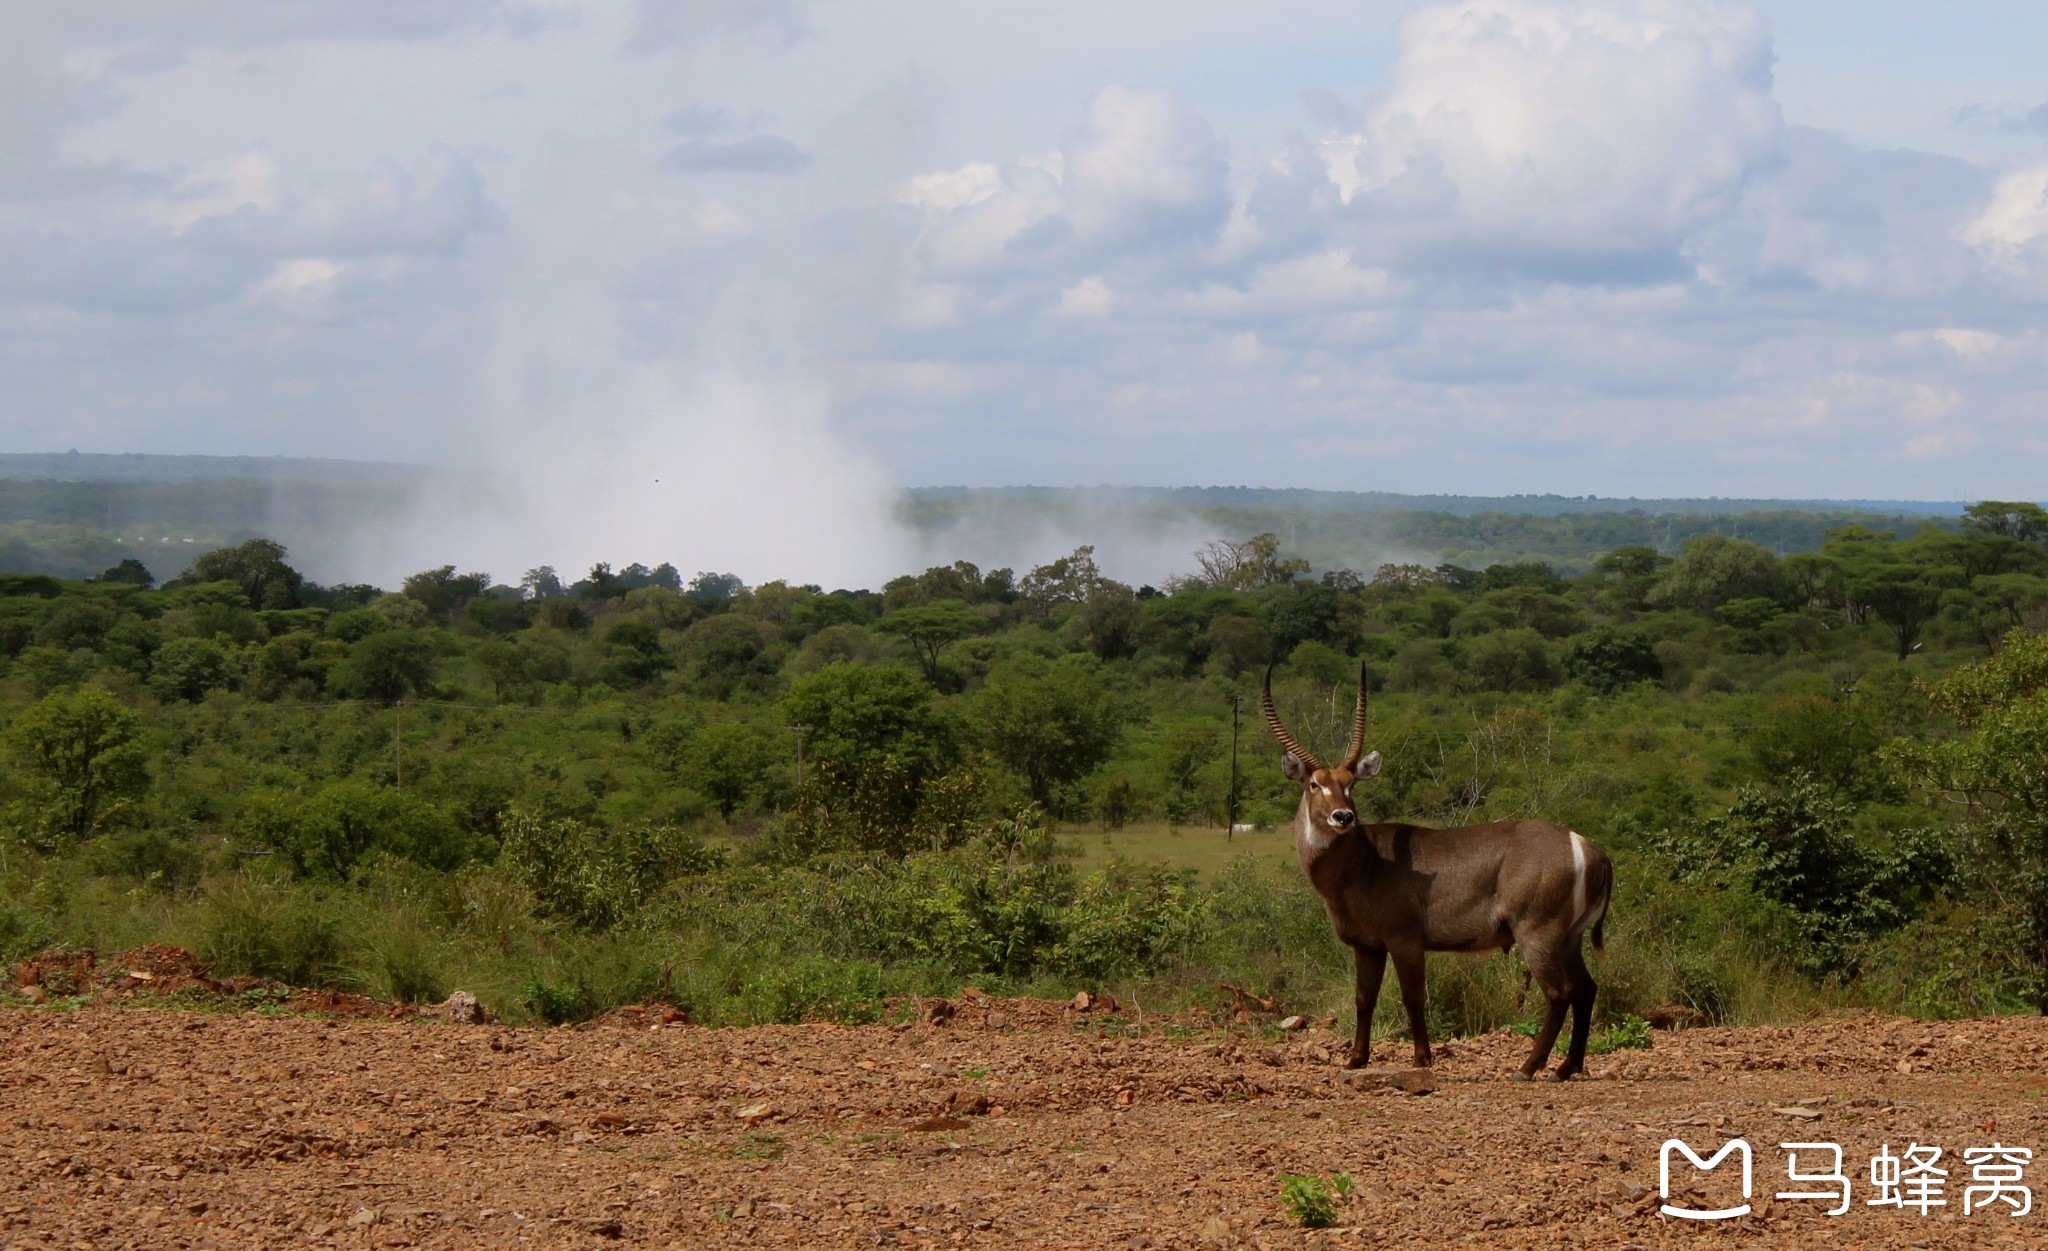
[[1342, 818]]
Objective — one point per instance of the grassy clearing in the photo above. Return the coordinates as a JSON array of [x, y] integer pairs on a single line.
[[1205, 850]]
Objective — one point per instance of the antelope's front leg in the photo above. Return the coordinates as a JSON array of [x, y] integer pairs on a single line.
[[1408, 968], [1372, 966]]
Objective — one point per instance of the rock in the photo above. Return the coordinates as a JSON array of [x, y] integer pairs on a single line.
[[938, 1124], [1216, 1232], [1081, 1000], [1293, 1023], [365, 1216], [1671, 1016], [1126, 1097], [755, 1112], [939, 1011], [997, 1020], [1410, 1081], [966, 1103], [1799, 1113], [463, 1008]]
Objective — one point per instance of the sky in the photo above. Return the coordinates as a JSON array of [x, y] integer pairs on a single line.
[[745, 267]]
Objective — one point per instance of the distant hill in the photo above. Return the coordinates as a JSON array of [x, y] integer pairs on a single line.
[[1279, 498], [73, 514], [141, 467]]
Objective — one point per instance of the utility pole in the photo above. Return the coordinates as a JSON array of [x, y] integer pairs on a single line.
[[1230, 804], [801, 730], [398, 740]]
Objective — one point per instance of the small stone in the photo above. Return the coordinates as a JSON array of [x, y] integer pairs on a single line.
[[997, 1020], [365, 1216], [1799, 1113], [967, 1103], [938, 1124], [756, 1112], [1293, 1023], [1081, 1000]]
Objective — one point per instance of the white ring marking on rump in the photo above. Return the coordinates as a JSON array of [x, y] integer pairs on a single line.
[[1578, 878]]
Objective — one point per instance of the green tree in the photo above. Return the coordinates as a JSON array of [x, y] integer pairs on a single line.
[[860, 715], [186, 669], [81, 760], [385, 666], [1903, 597], [443, 591], [1053, 722], [1511, 660], [1792, 846], [1996, 775], [1715, 569], [256, 566], [2026, 522], [1608, 658], [929, 627], [731, 764]]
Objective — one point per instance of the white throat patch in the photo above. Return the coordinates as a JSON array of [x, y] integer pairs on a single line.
[[1308, 832]]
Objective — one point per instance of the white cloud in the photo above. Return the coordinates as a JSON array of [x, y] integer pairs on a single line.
[[1553, 131], [1090, 299], [2016, 216]]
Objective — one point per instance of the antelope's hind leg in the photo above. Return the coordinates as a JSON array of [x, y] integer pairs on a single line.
[[1372, 967], [1583, 989], [1550, 973]]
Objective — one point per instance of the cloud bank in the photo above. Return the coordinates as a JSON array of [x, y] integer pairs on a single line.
[[761, 250]]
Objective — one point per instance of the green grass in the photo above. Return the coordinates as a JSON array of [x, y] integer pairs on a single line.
[[1203, 849]]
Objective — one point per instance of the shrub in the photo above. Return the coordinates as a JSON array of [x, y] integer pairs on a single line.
[[1312, 1201], [1630, 1032], [266, 930], [559, 1003]]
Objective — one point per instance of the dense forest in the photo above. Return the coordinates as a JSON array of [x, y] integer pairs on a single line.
[[1821, 774]]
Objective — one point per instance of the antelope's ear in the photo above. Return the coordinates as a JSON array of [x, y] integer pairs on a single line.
[[1368, 767], [1291, 765]]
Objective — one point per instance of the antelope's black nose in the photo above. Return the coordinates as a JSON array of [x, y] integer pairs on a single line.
[[1342, 817]]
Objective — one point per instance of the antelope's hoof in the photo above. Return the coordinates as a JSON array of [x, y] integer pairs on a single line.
[[1518, 1076], [1357, 1060]]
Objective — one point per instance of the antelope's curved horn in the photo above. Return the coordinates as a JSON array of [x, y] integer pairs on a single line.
[[1357, 749], [1280, 731]]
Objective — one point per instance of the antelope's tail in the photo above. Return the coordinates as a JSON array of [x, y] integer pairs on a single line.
[[1606, 896]]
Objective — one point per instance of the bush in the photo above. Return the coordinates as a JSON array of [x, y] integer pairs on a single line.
[[594, 878], [1630, 1032], [279, 932], [559, 1003], [333, 832]]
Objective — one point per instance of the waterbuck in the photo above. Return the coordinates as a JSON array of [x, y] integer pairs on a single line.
[[1401, 890]]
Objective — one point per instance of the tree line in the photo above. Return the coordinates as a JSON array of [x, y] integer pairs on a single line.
[[1833, 752]]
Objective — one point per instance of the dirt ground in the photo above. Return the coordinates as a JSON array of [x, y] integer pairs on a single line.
[[1005, 1123]]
